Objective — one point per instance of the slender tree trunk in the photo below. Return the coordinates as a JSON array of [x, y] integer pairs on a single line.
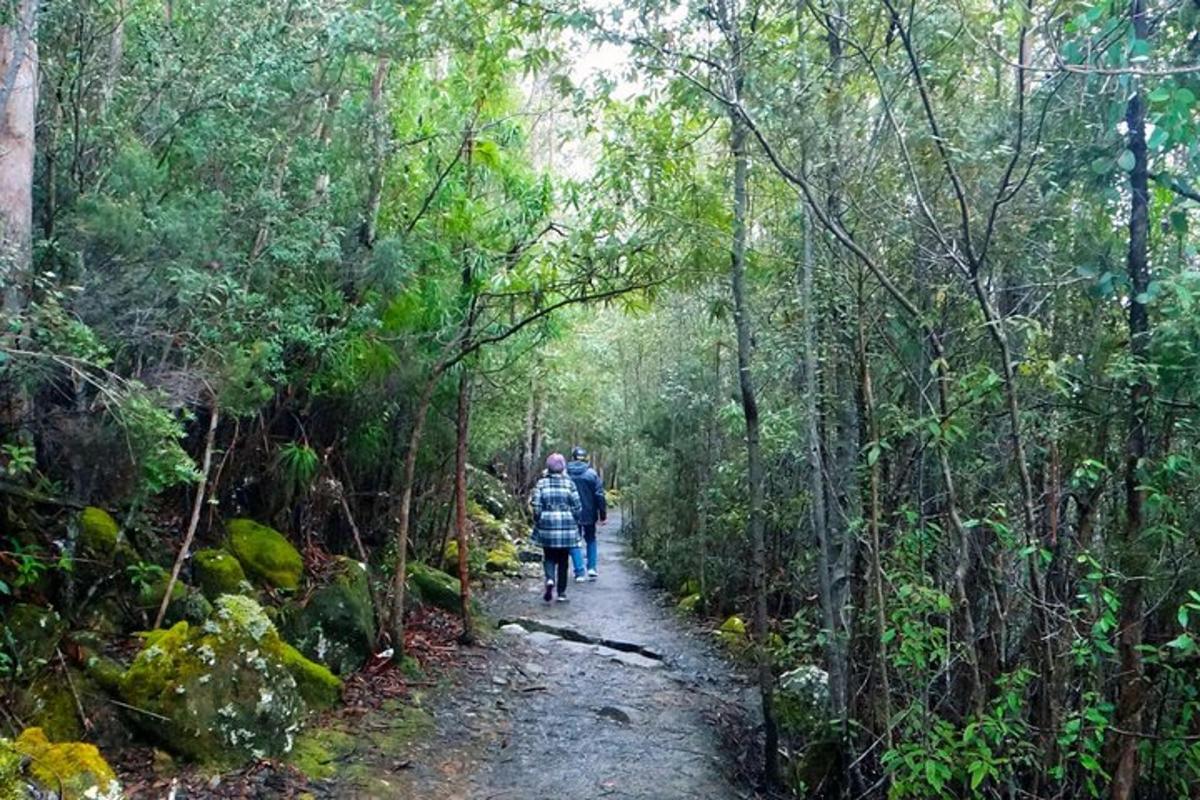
[[116, 54], [18, 121], [819, 512], [396, 622], [460, 498], [194, 522], [884, 691], [1131, 690], [379, 147], [18, 116], [753, 450]]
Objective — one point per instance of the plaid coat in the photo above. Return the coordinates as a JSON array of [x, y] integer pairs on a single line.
[[556, 507]]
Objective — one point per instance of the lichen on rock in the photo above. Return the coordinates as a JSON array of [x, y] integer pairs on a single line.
[[225, 691], [33, 633], [74, 769], [337, 625], [217, 572], [265, 554]]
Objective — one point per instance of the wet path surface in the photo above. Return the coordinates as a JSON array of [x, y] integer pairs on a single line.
[[539, 715]]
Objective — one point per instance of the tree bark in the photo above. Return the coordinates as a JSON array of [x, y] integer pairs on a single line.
[[396, 621], [379, 142], [753, 449], [460, 498], [1131, 691], [18, 116]]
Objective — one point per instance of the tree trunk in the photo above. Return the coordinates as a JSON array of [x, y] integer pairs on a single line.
[[460, 498], [18, 111], [396, 622], [819, 514], [753, 449], [379, 146], [1130, 692]]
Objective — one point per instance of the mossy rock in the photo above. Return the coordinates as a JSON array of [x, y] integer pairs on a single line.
[[48, 703], [230, 689], [74, 769], [98, 533], [492, 494], [217, 572], [319, 751], [476, 559], [732, 633], [434, 587], [265, 554], [689, 603], [503, 558], [337, 625], [30, 636], [12, 778]]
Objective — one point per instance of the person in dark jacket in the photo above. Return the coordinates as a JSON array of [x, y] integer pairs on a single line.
[[556, 512], [595, 509]]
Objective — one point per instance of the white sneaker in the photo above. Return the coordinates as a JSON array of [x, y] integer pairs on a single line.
[[562, 598], [591, 575], [581, 578]]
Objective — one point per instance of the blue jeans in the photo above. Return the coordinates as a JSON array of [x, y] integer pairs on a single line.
[[589, 539]]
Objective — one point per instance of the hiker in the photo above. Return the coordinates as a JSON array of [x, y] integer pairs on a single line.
[[595, 509], [556, 507]]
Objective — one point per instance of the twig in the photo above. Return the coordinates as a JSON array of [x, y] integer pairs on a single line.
[[196, 506], [87, 723]]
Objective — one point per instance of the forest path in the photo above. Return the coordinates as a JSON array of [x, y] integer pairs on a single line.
[[538, 715]]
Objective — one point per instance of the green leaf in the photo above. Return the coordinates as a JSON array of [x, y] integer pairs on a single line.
[[1160, 95], [1182, 616], [1182, 642], [1127, 160]]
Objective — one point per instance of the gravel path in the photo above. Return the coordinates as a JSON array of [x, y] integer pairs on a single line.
[[537, 715]]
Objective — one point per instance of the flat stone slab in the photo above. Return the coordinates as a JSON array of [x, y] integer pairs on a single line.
[[514, 629], [635, 660], [541, 637]]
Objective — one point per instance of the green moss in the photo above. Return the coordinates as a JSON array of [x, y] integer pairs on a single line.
[[217, 572], [265, 554], [319, 687], [318, 751], [434, 587], [689, 603], [98, 533], [49, 704], [75, 768], [503, 558], [337, 625], [12, 785], [224, 686]]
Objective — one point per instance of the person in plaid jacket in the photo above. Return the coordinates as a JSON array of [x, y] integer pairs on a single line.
[[556, 509]]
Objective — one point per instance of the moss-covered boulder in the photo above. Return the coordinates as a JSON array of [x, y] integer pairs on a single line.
[[265, 554], [30, 635], [504, 559], [217, 572], [12, 779], [434, 587], [230, 689], [49, 704], [337, 625], [98, 533], [75, 770]]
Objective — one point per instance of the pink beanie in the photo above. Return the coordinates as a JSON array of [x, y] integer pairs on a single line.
[[556, 462]]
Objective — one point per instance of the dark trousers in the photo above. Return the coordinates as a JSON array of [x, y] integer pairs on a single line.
[[555, 561]]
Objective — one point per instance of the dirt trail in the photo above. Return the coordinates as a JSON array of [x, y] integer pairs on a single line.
[[538, 715]]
